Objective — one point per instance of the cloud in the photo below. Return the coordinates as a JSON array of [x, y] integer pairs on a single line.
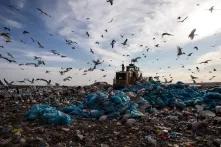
[[11, 23], [215, 56], [47, 56], [145, 19]]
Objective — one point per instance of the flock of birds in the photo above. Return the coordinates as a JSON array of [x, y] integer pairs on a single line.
[[38, 61]]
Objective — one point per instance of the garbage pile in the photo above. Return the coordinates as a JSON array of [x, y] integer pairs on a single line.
[[95, 105], [177, 95], [115, 104]]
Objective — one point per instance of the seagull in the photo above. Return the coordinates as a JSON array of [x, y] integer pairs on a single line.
[[166, 34], [8, 83], [36, 65], [197, 68], [37, 58], [182, 20], [111, 20], [211, 9], [6, 36], [32, 39], [21, 81], [110, 1], [9, 60], [97, 62], [157, 45], [135, 59], [1, 83], [47, 81], [55, 52], [196, 48], [212, 78], [31, 81], [40, 45], [47, 71], [91, 51], [112, 43], [88, 35], [205, 61], [25, 32], [42, 12], [179, 51], [192, 34], [10, 55], [193, 77], [190, 54], [13, 7], [7, 29], [67, 79], [125, 42]]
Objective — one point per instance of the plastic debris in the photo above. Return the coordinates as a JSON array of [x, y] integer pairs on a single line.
[[98, 104], [48, 114]]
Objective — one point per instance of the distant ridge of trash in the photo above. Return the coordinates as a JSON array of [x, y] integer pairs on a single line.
[[128, 101]]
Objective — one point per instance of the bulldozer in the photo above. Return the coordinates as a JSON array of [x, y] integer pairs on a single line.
[[125, 78]]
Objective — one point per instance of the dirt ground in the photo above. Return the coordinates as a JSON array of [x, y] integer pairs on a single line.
[[165, 127]]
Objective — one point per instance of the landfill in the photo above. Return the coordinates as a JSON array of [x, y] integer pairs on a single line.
[[145, 114]]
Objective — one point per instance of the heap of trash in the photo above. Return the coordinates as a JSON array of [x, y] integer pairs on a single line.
[[128, 101]]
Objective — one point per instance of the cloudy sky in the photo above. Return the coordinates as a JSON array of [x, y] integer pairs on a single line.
[[142, 22]]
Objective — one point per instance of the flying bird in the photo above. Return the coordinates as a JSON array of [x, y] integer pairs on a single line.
[[198, 69], [8, 83], [157, 45], [88, 35], [135, 59], [37, 58], [91, 51], [205, 62], [182, 20], [40, 45], [35, 64], [193, 77], [44, 80], [31, 81], [42, 12], [212, 78], [112, 43], [179, 51], [211, 9], [192, 34], [6, 36], [190, 54], [196, 48], [97, 62], [32, 39], [125, 42], [67, 79], [166, 34], [110, 1], [25, 32], [9, 60], [10, 55], [7, 29], [1, 83]]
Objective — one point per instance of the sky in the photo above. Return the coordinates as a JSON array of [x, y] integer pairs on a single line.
[[141, 22]]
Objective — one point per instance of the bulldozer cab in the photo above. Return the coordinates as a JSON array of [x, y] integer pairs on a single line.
[[128, 77]]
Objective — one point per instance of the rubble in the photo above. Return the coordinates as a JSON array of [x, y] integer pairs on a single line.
[[146, 114]]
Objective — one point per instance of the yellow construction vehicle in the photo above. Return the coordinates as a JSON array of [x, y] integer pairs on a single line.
[[125, 78]]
